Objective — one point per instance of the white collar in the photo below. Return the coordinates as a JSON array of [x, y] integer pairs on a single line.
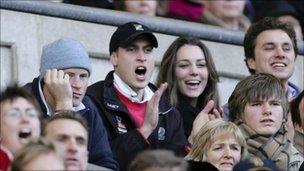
[[49, 110], [127, 91], [81, 106], [291, 92]]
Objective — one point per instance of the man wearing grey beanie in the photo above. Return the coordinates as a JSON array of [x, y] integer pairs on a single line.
[[64, 76]]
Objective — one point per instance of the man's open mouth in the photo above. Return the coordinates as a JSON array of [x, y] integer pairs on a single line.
[[141, 70]]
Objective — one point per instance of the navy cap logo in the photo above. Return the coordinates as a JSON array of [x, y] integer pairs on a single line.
[[138, 27]]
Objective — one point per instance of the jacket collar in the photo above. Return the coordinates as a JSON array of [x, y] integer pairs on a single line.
[[112, 102], [127, 91], [292, 91]]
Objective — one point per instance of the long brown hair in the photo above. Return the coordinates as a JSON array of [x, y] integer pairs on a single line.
[[167, 73]]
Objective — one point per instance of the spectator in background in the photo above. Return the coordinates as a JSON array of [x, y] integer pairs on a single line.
[[220, 143], [188, 68], [157, 160], [299, 7], [283, 10], [297, 115], [259, 106], [65, 69], [20, 122], [39, 154], [225, 13], [145, 7], [70, 130], [135, 113], [190, 10], [107, 4], [295, 24]]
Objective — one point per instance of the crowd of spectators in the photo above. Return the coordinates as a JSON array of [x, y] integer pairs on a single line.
[[234, 15], [125, 122]]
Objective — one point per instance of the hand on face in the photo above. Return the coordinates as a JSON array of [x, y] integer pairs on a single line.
[[207, 114], [57, 84], [151, 115]]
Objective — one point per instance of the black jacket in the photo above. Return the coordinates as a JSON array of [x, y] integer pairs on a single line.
[[99, 149], [188, 114], [169, 133]]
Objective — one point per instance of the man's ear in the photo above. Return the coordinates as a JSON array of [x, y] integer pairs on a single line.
[[113, 58], [251, 64]]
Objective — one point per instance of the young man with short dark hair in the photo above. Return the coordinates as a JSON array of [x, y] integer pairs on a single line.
[[135, 114], [271, 47]]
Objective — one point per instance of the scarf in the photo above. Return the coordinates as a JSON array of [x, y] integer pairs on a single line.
[[299, 141], [276, 148]]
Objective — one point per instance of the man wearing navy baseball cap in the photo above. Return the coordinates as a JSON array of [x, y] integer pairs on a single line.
[[136, 115], [126, 34]]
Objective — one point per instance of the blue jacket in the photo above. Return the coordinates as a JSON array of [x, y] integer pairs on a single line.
[[98, 146], [126, 141]]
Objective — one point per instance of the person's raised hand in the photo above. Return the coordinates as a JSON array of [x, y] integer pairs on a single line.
[[57, 84], [207, 114], [151, 114]]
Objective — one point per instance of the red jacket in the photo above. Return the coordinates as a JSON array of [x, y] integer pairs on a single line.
[[5, 160]]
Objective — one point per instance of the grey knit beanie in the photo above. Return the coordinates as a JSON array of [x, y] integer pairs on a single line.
[[63, 54]]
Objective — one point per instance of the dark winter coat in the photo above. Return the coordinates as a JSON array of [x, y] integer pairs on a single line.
[[98, 146], [169, 133]]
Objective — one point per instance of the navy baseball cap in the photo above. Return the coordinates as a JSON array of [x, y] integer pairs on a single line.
[[128, 32]]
